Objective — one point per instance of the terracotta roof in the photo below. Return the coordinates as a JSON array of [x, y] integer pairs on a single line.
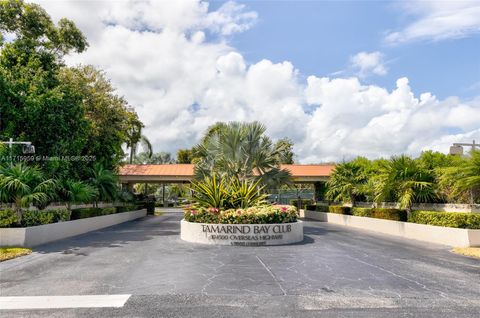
[[157, 170], [297, 170], [318, 170]]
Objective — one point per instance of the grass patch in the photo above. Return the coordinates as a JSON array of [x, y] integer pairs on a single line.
[[7, 253], [468, 251]]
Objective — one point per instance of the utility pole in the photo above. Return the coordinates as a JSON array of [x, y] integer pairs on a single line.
[[457, 148]]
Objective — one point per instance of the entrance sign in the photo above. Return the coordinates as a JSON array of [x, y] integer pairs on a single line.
[[242, 234]]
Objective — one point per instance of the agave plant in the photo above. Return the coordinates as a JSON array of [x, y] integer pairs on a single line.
[[210, 192], [22, 185], [244, 194]]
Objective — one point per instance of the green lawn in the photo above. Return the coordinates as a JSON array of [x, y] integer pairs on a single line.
[[7, 253]]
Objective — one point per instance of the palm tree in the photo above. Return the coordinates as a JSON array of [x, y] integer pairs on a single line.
[[77, 191], [105, 183], [22, 185], [463, 177], [347, 182], [240, 151], [402, 180], [134, 137]]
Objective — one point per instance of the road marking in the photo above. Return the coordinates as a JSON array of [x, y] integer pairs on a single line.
[[53, 302]]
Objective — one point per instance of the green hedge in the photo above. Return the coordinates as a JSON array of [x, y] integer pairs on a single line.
[[449, 219], [318, 208], [338, 209], [381, 213], [128, 208], [8, 218], [305, 203], [91, 212]]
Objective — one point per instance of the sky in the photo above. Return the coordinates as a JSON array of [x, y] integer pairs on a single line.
[[339, 78]]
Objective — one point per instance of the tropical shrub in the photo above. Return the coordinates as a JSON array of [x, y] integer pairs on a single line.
[[339, 209], [23, 185], [448, 219], [224, 193], [347, 182], [254, 215], [33, 218], [8, 218], [91, 212], [367, 212], [304, 202]]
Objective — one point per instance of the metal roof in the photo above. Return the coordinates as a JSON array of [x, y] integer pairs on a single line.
[[184, 172]]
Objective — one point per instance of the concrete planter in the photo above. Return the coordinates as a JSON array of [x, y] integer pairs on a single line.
[[427, 233], [41, 234], [242, 234]]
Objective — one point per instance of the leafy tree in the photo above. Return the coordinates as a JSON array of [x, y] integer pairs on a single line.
[[105, 183], [347, 182], [241, 151], [156, 158], [184, 156], [285, 149], [22, 185], [31, 96], [402, 180]]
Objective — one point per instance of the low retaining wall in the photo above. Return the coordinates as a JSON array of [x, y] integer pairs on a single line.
[[427, 233], [41, 234], [242, 234]]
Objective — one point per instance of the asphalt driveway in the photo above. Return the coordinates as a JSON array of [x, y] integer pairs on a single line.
[[335, 272]]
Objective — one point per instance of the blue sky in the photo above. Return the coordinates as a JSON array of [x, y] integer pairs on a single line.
[[339, 78], [319, 37]]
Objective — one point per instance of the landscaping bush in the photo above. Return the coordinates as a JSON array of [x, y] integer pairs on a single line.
[[381, 213], [448, 219], [321, 208], [305, 203], [366, 212], [128, 208], [339, 209], [8, 218], [254, 215], [33, 218], [311, 207], [91, 212]]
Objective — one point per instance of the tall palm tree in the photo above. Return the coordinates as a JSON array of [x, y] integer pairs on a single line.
[[22, 185], [402, 180], [347, 182], [463, 177], [241, 151], [105, 183]]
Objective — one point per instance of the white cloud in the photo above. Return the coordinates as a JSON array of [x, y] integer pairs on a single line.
[[162, 57], [368, 63], [438, 20]]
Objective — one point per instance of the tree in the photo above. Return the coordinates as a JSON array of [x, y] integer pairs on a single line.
[[184, 156], [285, 149], [347, 182], [240, 151], [31, 96], [463, 178], [156, 158], [402, 180], [136, 139], [105, 183], [22, 185]]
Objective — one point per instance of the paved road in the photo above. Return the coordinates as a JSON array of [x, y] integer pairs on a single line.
[[336, 271]]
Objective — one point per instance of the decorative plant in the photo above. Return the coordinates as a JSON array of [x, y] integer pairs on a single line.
[[22, 185]]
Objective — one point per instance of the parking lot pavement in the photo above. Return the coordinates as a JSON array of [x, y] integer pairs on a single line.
[[338, 271]]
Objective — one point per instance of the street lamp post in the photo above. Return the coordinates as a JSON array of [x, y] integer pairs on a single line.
[[27, 149]]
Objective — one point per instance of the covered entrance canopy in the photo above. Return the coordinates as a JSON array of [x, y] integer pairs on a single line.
[[181, 173]]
